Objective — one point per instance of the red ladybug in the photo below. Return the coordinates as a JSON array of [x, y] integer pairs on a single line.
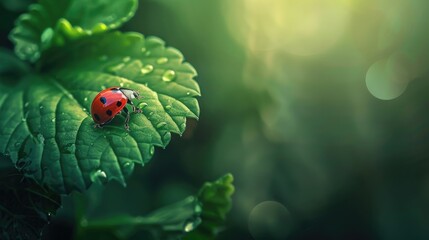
[[110, 102]]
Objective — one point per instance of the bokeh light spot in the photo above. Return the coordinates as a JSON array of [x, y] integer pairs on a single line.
[[270, 220], [388, 78]]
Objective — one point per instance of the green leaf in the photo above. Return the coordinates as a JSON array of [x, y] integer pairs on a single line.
[[195, 217], [168, 222], [46, 127], [216, 201], [25, 207], [52, 23]]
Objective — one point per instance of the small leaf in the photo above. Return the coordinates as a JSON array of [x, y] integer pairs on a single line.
[[52, 23], [216, 202], [46, 125], [195, 217]]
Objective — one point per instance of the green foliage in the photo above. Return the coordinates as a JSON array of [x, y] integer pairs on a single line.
[[195, 217], [48, 143], [48, 131], [216, 201], [56, 22]]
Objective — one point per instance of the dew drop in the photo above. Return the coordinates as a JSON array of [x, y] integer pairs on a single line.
[[151, 113], [128, 167], [126, 59], [191, 225], [26, 104], [162, 60], [188, 93], [41, 107], [98, 175], [85, 99], [17, 144], [168, 76], [53, 120], [142, 105], [167, 107], [23, 119], [161, 124], [152, 150], [146, 69], [84, 109]]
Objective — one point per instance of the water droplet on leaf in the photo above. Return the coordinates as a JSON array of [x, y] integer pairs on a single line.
[[98, 175], [26, 104], [142, 105], [85, 99], [128, 168], [146, 69], [191, 225], [167, 107], [162, 60], [152, 150], [168, 76]]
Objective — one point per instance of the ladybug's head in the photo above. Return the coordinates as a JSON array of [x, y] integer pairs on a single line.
[[129, 93]]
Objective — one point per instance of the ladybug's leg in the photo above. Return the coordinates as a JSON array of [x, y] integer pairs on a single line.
[[137, 95], [135, 109], [97, 125], [127, 119]]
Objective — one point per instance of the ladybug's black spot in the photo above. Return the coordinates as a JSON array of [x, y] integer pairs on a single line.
[[118, 103], [103, 100], [109, 112], [97, 117]]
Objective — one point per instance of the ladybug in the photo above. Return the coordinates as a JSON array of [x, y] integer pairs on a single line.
[[110, 102]]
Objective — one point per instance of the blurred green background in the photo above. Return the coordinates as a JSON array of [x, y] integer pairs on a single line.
[[319, 108]]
